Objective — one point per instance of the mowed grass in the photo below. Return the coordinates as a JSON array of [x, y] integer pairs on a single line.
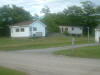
[[47, 42], [84, 52], [6, 71]]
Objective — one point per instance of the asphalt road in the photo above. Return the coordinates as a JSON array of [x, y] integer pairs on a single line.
[[42, 62]]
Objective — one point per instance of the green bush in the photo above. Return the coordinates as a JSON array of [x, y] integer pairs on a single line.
[[66, 33]]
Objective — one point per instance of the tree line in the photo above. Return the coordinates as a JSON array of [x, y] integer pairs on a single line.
[[87, 15]]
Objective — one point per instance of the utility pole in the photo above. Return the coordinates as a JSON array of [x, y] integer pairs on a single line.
[[88, 34]]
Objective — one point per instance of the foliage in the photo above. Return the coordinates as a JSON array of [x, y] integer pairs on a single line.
[[84, 16], [66, 33], [36, 17], [6, 71], [45, 10], [73, 10], [74, 14], [89, 16], [10, 15], [98, 9], [98, 14], [50, 21]]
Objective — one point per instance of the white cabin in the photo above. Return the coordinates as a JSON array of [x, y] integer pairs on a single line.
[[74, 30], [97, 34], [28, 29]]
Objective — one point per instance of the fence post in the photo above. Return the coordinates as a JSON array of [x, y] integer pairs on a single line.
[[73, 43]]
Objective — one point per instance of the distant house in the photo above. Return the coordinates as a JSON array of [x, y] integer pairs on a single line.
[[97, 34], [74, 30], [28, 29]]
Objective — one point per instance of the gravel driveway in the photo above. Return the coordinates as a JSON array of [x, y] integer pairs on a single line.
[[42, 62]]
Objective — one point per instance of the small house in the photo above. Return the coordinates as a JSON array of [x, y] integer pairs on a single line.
[[73, 30], [28, 29], [97, 34]]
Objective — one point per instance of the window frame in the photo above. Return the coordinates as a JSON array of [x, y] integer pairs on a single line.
[[80, 28], [17, 29], [34, 29], [72, 28], [30, 29], [66, 29], [22, 29]]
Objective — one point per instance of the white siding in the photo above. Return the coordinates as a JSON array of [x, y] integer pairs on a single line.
[[97, 35], [20, 34], [40, 28], [76, 30]]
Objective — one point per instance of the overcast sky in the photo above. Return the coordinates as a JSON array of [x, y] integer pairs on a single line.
[[35, 6]]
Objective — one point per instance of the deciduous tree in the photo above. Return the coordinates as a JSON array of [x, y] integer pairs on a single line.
[[11, 15]]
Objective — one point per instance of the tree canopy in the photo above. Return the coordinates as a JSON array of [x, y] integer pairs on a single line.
[[11, 15], [87, 15], [45, 10], [84, 16]]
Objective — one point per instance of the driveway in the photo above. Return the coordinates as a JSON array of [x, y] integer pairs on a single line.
[[42, 62]]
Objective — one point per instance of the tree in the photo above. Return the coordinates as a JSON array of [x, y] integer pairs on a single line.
[[73, 10], [50, 21], [62, 19], [74, 15], [36, 17], [98, 10], [11, 15], [45, 10], [98, 14], [89, 16], [84, 16]]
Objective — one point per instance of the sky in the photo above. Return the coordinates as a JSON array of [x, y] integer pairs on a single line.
[[35, 6]]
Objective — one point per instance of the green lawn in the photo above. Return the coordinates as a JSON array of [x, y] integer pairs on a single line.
[[84, 52], [6, 71], [47, 42]]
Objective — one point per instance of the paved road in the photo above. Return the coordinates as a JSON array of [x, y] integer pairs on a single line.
[[45, 63]]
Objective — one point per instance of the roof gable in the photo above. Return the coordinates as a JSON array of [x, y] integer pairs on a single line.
[[27, 23], [39, 22]]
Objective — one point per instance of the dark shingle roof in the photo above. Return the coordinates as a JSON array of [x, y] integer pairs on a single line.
[[23, 23]]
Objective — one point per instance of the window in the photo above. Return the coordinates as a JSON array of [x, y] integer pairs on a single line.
[[34, 29], [66, 29], [62, 29], [30, 29], [72, 28], [22, 29], [34, 35], [17, 29]]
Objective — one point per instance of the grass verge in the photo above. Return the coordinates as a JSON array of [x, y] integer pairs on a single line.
[[6, 71], [84, 52], [47, 42]]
